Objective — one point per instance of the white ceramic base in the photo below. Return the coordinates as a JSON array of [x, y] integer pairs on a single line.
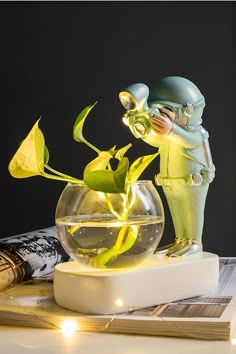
[[156, 281]]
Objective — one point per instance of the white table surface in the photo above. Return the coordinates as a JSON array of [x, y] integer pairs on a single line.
[[19, 340]]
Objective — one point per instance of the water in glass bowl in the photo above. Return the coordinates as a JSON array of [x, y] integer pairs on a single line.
[[102, 241]]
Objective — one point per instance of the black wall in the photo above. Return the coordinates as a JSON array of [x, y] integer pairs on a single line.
[[58, 57]]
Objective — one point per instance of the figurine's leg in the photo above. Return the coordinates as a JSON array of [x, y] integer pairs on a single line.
[[178, 222], [193, 204], [186, 205]]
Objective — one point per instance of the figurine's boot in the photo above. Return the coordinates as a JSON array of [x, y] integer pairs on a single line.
[[166, 248], [181, 247], [184, 248]]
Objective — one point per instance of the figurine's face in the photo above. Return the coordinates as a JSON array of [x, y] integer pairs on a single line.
[[182, 122]]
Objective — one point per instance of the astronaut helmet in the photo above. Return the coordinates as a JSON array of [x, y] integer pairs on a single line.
[[181, 96]]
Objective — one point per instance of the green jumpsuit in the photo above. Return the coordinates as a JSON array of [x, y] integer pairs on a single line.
[[185, 177]]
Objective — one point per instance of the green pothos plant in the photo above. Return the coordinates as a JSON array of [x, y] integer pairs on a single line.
[[32, 159]]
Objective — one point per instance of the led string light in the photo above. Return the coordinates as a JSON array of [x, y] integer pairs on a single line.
[[68, 326]]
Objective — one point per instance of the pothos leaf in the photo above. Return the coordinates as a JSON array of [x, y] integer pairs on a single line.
[[78, 126], [112, 150], [28, 160], [120, 174], [121, 152], [46, 155], [108, 181], [99, 163], [138, 166]]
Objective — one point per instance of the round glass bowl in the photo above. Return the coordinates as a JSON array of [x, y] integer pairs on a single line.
[[103, 230]]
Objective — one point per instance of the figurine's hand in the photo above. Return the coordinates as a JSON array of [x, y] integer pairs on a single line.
[[161, 124], [208, 174]]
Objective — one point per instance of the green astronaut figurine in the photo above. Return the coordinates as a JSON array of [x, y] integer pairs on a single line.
[[170, 118]]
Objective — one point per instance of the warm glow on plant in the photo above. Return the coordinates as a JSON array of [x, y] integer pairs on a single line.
[[32, 159]]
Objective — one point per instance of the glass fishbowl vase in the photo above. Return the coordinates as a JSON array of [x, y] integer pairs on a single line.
[[108, 230]]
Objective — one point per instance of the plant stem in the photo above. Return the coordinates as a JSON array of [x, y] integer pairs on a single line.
[[91, 146], [65, 179], [95, 149], [109, 203], [131, 233], [58, 173], [126, 236]]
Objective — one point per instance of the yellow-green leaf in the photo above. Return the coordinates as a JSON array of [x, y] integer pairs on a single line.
[[105, 180], [120, 174], [79, 123], [46, 155], [138, 166], [112, 150], [102, 181], [121, 152], [29, 158], [99, 163]]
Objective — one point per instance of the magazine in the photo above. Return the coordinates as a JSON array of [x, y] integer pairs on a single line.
[[29, 255], [211, 316]]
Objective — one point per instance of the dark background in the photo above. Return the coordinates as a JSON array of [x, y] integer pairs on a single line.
[[58, 57]]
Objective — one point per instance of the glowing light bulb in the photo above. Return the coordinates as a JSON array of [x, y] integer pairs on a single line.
[[68, 328], [119, 303]]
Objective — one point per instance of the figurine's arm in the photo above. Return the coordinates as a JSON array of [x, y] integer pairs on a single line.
[[163, 126], [182, 137], [153, 139]]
